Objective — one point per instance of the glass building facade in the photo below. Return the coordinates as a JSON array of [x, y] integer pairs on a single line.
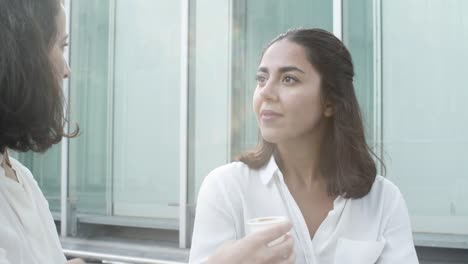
[[162, 91]]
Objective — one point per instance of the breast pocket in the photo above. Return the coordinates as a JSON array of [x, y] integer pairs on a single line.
[[358, 252]]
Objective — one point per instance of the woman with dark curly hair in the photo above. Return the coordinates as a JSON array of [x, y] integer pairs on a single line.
[[312, 167], [32, 66]]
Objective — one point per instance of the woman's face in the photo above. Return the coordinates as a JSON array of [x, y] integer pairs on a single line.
[[287, 99], [57, 51]]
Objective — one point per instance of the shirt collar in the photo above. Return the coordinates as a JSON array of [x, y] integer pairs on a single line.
[[268, 170]]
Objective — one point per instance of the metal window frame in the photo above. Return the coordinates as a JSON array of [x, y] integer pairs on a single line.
[[338, 18], [183, 122], [110, 109], [113, 257], [64, 146], [378, 88]]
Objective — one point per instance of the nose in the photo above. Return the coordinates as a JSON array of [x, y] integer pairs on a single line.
[[66, 71], [269, 91]]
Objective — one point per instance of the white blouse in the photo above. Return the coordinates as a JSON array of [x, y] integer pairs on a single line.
[[27, 230], [372, 229]]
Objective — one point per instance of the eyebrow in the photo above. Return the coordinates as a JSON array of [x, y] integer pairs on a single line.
[[282, 69]]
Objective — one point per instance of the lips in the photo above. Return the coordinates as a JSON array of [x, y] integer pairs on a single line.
[[269, 115]]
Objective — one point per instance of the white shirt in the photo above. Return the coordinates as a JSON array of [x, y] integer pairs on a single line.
[[27, 230], [372, 229]]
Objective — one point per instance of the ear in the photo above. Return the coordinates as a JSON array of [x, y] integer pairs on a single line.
[[329, 109]]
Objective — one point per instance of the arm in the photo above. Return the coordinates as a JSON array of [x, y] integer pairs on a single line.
[[399, 247], [254, 248], [214, 237], [214, 223]]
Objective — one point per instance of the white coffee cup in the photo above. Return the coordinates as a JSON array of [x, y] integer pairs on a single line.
[[262, 223]]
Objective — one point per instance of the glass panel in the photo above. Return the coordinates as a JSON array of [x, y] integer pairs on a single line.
[[89, 156], [125, 96], [209, 90], [424, 109], [358, 36], [146, 108]]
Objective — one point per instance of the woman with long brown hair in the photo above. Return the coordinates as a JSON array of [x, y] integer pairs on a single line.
[[32, 66], [312, 166]]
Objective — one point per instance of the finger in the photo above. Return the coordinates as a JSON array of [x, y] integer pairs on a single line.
[[291, 259], [284, 249], [265, 236], [229, 242]]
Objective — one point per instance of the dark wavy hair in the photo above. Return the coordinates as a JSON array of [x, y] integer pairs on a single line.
[[346, 159], [31, 99]]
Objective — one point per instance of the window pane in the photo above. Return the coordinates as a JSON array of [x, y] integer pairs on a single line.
[[146, 108], [125, 96], [89, 157], [358, 36], [209, 90], [425, 116]]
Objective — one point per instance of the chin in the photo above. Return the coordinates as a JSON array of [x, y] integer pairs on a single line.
[[271, 137]]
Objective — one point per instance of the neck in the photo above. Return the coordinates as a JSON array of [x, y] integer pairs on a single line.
[[6, 164], [5, 158], [299, 161]]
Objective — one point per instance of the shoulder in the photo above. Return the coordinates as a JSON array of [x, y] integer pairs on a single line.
[[229, 180], [29, 180], [25, 174], [228, 174], [384, 195], [384, 188]]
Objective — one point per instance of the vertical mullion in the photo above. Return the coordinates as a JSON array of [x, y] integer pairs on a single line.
[[229, 84], [237, 139], [183, 122], [378, 106], [338, 18], [64, 145], [110, 109]]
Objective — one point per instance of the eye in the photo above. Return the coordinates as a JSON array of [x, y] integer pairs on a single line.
[[64, 46], [290, 80], [260, 79]]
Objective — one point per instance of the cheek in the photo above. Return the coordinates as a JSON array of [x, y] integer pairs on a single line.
[[306, 109], [256, 102], [57, 60]]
